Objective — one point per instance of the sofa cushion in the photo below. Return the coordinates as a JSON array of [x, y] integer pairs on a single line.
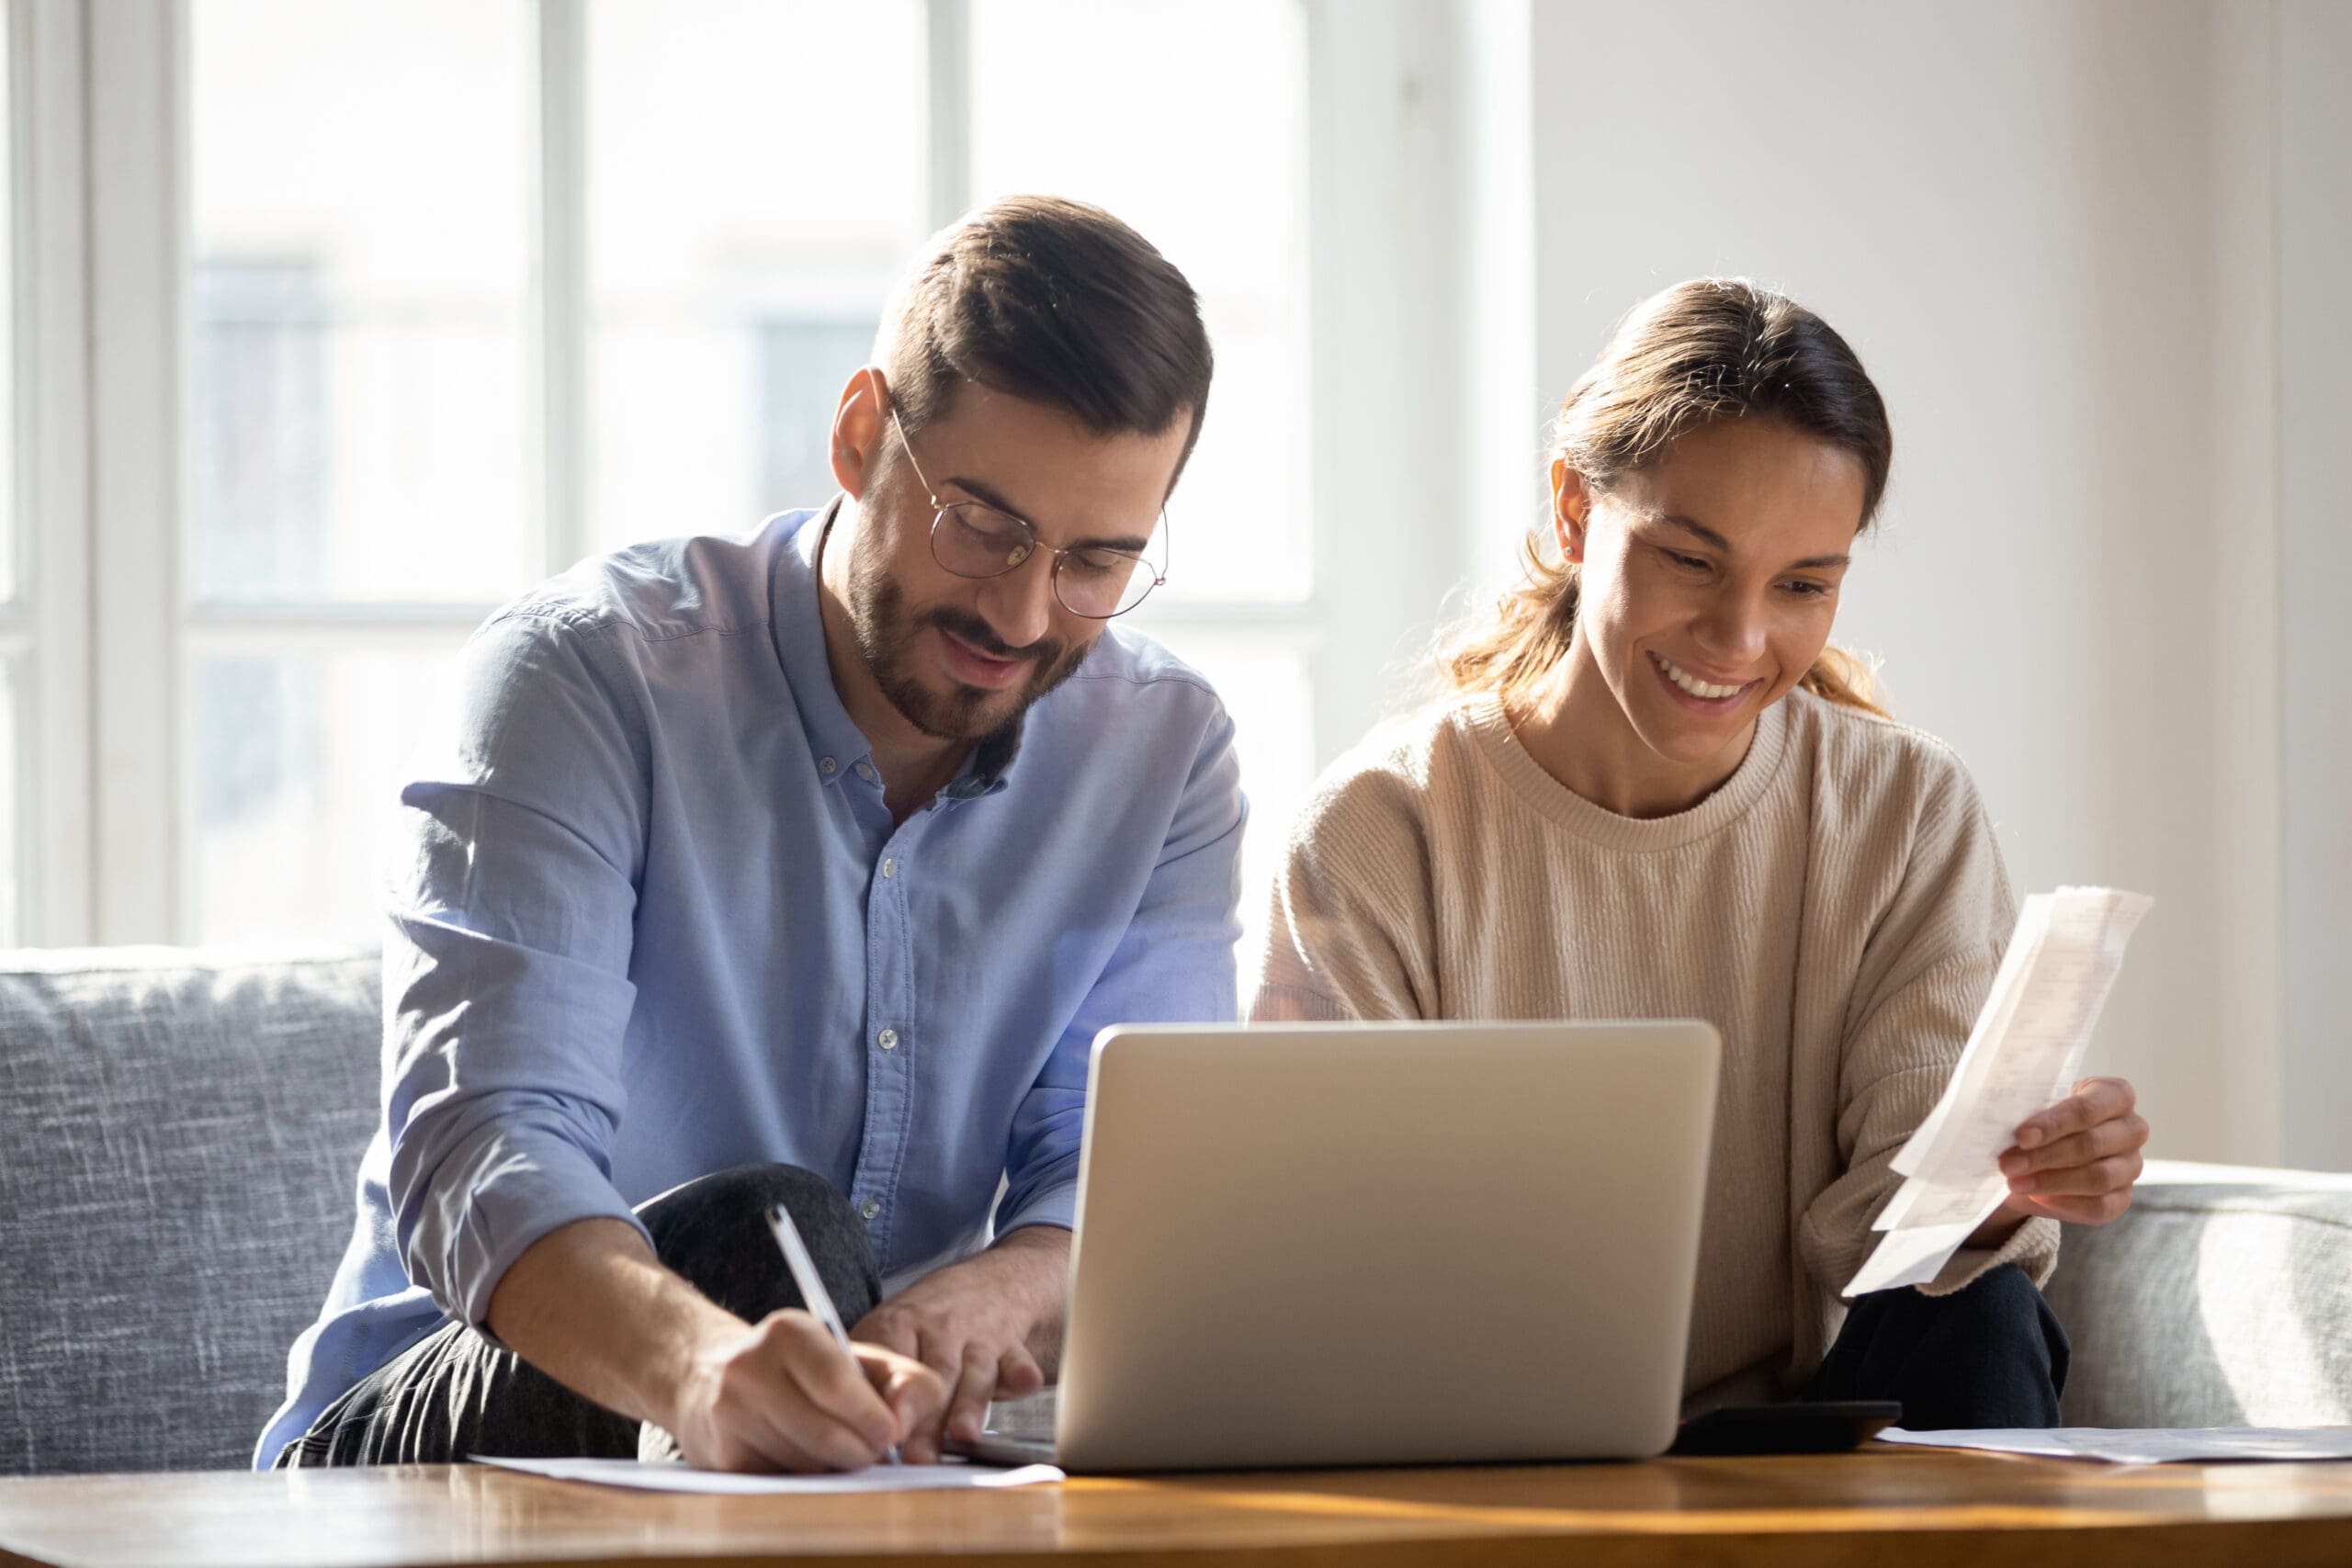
[[2224, 1298], [179, 1133]]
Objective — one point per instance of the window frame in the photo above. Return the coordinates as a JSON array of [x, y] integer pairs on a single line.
[[106, 815], [47, 629]]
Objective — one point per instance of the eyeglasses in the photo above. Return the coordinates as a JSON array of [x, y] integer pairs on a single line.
[[971, 538]]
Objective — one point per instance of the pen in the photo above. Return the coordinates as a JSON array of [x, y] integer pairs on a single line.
[[812, 1289]]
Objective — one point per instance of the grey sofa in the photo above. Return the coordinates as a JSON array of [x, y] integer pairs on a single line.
[[179, 1133]]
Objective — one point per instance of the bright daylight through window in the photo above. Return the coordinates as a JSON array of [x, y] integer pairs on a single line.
[[607, 288], [13, 541]]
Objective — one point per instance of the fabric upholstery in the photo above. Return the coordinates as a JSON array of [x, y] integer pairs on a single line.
[[178, 1134], [2223, 1299]]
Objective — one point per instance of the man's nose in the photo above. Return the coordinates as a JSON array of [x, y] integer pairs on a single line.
[[1019, 604]]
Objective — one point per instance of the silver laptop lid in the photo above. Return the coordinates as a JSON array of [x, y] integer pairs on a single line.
[[1396, 1243]]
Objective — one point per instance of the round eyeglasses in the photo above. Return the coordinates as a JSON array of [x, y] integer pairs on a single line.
[[972, 538]]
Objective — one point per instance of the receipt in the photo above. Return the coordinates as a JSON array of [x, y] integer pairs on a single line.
[[2025, 1053]]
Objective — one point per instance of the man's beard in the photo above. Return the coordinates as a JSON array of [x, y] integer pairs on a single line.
[[887, 636]]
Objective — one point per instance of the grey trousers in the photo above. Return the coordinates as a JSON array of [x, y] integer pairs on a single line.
[[453, 1394]]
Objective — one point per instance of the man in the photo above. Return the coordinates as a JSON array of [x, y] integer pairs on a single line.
[[800, 869]]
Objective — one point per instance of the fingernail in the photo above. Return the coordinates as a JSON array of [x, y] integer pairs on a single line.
[[2012, 1163], [2028, 1137], [2021, 1184]]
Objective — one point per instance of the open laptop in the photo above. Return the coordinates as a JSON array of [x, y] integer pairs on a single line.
[[1379, 1243]]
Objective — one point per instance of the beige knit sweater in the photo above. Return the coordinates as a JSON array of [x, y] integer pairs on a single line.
[[1836, 910]]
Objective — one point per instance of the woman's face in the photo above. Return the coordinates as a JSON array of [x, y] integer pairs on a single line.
[[1710, 581]]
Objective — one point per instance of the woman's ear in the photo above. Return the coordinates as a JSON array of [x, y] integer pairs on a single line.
[[1571, 509], [858, 420]]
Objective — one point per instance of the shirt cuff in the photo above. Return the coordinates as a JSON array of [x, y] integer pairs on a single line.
[[1055, 1205], [507, 1220]]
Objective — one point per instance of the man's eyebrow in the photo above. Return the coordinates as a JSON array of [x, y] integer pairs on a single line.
[[1701, 531], [980, 492]]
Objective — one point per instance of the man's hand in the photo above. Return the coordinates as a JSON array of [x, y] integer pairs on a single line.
[[2076, 1161], [781, 1395], [987, 1326], [590, 1305]]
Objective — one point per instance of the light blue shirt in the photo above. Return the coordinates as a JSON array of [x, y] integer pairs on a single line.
[[649, 919]]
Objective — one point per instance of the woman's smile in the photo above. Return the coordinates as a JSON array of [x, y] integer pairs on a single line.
[[1699, 695]]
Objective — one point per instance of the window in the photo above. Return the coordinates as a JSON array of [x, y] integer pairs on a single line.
[[746, 218], [1239, 604], [459, 291], [361, 415]]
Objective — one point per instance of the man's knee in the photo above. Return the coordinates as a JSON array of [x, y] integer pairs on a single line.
[[713, 1230]]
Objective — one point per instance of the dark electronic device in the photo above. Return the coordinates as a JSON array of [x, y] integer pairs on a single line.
[[1828, 1426]]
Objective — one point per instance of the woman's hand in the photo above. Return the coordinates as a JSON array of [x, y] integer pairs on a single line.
[[2078, 1159]]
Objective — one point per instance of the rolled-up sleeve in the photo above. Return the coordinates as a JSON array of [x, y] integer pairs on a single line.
[[507, 994], [1173, 964]]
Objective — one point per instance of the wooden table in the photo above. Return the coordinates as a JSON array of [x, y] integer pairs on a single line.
[[1915, 1507]]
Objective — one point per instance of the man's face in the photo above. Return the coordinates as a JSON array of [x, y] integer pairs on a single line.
[[958, 656]]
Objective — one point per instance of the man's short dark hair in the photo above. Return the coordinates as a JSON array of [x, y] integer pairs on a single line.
[[1056, 302]]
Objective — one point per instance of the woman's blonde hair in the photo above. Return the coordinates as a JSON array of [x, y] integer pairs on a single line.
[[1710, 349]]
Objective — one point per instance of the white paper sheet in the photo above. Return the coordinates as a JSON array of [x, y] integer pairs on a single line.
[[2024, 1053], [657, 1477], [2149, 1445]]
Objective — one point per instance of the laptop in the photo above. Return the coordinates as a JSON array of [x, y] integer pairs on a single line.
[[1378, 1244]]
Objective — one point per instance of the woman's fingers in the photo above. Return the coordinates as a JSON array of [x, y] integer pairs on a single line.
[[2114, 1173], [2095, 1100], [2125, 1134]]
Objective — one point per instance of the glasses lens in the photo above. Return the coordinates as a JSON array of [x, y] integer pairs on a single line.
[[1102, 583], [972, 540]]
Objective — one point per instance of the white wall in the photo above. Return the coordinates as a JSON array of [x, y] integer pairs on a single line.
[[2314, 245], [2048, 227]]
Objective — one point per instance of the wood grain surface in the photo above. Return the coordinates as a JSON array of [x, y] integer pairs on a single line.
[[1918, 1508]]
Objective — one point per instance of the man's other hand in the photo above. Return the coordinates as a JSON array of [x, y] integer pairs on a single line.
[[987, 1326]]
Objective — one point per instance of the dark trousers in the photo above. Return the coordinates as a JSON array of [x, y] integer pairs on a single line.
[[455, 1393], [1991, 1355]]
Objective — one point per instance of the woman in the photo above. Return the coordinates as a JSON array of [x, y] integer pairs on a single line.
[[1658, 792]]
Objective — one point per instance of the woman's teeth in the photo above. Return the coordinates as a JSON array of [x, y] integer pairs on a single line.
[[1705, 690]]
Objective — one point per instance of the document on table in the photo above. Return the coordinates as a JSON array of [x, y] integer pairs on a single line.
[[660, 1477], [2024, 1055], [2155, 1446]]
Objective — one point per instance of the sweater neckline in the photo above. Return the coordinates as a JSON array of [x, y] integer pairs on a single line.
[[1489, 726]]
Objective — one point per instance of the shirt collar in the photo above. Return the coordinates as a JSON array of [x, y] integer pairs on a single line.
[[983, 771], [796, 625]]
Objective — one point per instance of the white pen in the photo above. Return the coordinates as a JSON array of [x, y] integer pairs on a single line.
[[812, 1289]]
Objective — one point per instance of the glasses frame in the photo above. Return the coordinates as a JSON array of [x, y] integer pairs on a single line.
[[1054, 576]]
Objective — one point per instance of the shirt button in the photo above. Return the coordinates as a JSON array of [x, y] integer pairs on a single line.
[[890, 867], [872, 1207], [865, 772], [887, 1040], [827, 766]]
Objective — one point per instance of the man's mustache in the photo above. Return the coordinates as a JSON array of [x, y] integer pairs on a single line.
[[974, 630]]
